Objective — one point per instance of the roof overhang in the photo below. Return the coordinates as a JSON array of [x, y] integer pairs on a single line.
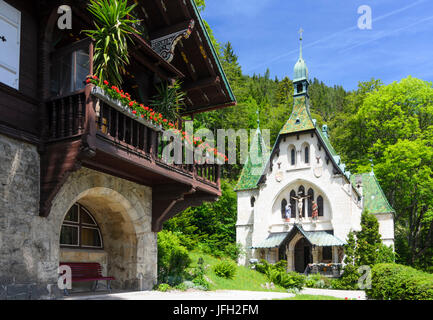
[[314, 238], [195, 61]]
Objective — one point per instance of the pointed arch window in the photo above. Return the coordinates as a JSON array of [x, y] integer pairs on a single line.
[[292, 156], [253, 201], [307, 154], [310, 202], [283, 208], [320, 205], [80, 230], [293, 203]]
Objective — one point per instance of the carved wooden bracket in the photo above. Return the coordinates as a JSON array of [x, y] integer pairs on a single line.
[[169, 200], [164, 45]]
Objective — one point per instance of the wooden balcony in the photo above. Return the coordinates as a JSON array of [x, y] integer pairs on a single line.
[[84, 130]]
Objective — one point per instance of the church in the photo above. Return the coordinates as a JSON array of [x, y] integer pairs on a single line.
[[298, 202]]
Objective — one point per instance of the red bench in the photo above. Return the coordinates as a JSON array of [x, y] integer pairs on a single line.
[[86, 272]]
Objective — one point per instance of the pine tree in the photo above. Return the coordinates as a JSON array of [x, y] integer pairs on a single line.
[[368, 240]]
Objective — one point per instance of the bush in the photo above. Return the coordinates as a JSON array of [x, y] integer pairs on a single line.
[[225, 269], [349, 278], [277, 274], [163, 287], [386, 254], [391, 281], [290, 280], [318, 281], [173, 258]]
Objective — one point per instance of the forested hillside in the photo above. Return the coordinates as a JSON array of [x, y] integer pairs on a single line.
[[388, 125]]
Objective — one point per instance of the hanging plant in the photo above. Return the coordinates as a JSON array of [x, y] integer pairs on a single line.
[[169, 100], [114, 25]]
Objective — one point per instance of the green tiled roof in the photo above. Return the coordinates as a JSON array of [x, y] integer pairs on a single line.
[[300, 119], [327, 142], [320, 238], [252, 170], [273, 240], [375, 200], [315, 238]]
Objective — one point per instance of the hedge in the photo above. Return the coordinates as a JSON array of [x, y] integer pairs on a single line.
[[391, 281]]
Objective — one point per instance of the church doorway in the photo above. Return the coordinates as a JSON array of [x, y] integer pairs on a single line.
[[303, 255]]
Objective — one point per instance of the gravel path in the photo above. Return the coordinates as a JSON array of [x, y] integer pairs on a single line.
[[215, 295], [186, 295], [350, 294]]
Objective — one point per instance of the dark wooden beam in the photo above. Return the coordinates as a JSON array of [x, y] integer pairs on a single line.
[[162, 9], [170, 29], [201, 83]]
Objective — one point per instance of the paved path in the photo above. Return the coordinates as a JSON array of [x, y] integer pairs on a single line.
[[185, 295], [215, 295], [350, 294]]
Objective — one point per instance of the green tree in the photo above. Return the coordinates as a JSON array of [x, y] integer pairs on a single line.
[[368, 240]]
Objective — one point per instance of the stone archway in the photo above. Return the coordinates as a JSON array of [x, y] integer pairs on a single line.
[[123, 211]]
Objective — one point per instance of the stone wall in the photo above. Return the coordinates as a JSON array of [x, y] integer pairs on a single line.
[[29, 244]]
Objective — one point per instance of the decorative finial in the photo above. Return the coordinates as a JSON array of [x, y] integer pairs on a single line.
[[301, 31], [258, 118], [372, 166]]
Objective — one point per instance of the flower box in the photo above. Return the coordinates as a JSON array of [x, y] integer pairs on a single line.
[[116, 104]]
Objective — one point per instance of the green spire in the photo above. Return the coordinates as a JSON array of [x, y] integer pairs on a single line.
[[300, 70], [255, 162]]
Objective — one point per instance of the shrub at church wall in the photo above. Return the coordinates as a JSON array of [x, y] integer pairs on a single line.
[[173, 258], [397, 282]]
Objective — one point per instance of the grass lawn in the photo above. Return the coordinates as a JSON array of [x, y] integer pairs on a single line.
[[311, 297], [244, 279]]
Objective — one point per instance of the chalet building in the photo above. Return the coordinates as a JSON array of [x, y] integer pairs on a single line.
[[82, 180], [298, 203]]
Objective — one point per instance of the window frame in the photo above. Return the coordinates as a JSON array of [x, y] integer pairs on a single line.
[[80, 225], [70, 52]]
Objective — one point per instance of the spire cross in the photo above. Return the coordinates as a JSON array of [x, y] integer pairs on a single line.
[[301, 31]]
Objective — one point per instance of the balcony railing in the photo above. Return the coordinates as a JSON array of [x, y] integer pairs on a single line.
[[66, 116], [69, 117]]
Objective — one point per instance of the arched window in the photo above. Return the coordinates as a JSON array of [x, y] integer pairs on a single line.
[[253, 201], [293, 203], [310, 202], [79, 229], [293, 156], [283, 208], [301, 193], [320, 205], [307, 154]]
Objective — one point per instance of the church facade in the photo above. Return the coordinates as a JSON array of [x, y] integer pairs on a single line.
[[298, 203]]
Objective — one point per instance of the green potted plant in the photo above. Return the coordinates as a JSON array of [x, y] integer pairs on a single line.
[[114, 25]]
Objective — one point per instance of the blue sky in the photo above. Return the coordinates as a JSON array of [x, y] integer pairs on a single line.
[[264, 34]]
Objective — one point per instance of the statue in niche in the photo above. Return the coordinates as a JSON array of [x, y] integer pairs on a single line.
[[299, 199], [288, 211], [315, 210]]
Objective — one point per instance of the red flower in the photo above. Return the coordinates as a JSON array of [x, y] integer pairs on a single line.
[[134, 112], [165, 120], [88, 81], [131, 103], [95, 77], [106, 82]]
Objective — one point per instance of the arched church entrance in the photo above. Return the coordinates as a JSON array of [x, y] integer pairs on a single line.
[[303, 255]]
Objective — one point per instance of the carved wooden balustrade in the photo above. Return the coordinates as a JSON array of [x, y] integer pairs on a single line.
[[86, 128], [67, 117]]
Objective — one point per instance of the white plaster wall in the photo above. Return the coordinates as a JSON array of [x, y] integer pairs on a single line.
[[341, 207], [386, 228]]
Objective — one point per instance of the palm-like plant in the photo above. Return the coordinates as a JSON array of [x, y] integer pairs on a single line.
[[169, 100], [114, 24]]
